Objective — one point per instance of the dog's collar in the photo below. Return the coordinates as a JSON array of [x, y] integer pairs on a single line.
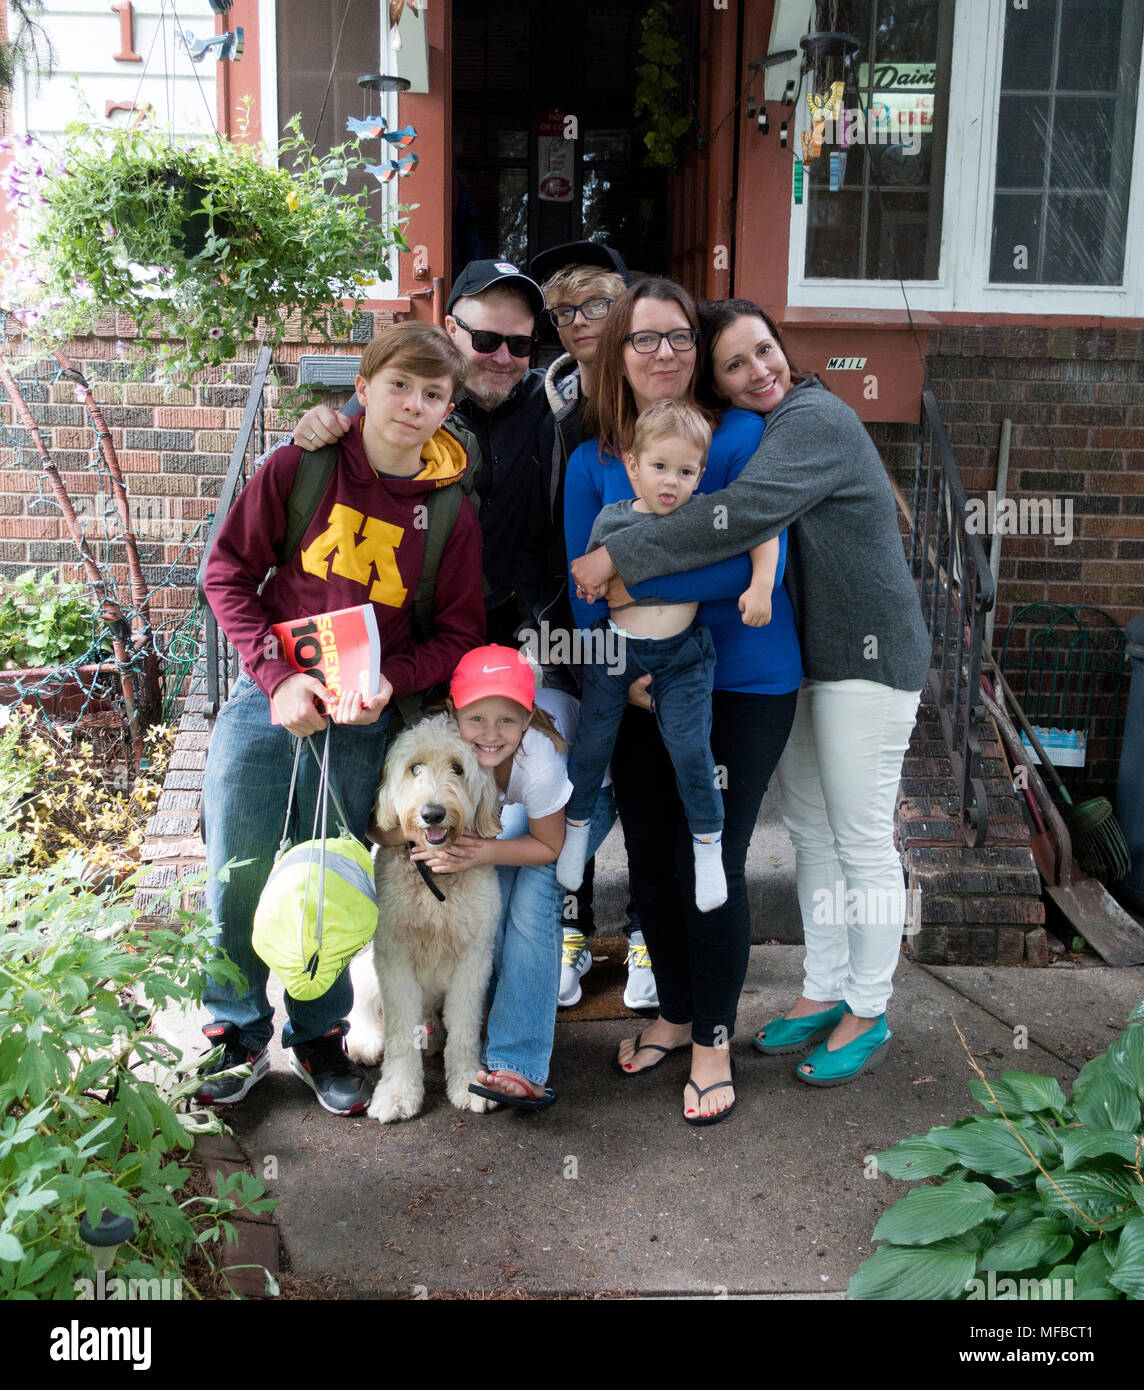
[[427, 875]]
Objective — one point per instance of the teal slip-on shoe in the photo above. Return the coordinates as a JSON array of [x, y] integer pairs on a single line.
[[794, 1034], [865, 1052]]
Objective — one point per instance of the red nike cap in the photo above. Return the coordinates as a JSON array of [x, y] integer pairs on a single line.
[[490, 671]]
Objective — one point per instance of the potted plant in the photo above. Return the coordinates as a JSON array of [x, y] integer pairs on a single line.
[[662, 98], [51, 647], [195, 242]]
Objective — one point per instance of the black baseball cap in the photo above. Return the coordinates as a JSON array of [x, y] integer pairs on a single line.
[[577, 253], [479, 276]]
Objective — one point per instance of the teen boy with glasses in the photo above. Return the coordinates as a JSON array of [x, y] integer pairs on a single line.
[[580, 279]]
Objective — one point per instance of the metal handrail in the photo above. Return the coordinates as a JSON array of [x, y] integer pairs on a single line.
[[957, 590], [250, 444]]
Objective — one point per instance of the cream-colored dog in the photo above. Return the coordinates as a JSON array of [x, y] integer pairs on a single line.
[[427, 949]]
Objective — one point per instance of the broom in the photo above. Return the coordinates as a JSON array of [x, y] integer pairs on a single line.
[[1098, 841]]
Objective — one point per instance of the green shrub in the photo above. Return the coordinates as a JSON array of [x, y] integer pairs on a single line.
[[88, 1096], [1041, 1187], [44, 622]]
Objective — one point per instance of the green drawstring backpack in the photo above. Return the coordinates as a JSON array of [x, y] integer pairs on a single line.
[[319, 905]]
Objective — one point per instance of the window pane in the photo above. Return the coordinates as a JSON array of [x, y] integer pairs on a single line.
[[834, 236], [1074, 240], [1029, 33], [1082, 142], [1089, 59], [1016, 238], [897, 236], [906, 29], [1023, 126], [895, 125], [1071, 150]]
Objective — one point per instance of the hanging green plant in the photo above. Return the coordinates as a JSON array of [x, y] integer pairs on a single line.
[[661, 99], [196, 242]]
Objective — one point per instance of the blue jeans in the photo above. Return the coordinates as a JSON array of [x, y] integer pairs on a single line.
[[245, 788], [526, 958], [682, 669]]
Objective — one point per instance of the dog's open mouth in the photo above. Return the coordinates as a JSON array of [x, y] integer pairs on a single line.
[[436, 834]]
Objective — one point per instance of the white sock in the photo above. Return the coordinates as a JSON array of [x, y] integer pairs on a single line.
[[710, 882], [574, 855]]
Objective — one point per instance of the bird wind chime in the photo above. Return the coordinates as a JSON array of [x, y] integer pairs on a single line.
[[376, 127]]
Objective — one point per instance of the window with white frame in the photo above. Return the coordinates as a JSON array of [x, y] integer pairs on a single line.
[[875, 184], [1034, 199], [1066, 122]]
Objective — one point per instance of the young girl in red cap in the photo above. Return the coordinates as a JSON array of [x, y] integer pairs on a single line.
[[523, 735]]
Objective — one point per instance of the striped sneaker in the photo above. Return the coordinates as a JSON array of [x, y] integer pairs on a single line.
[[641, 992], [575, 962]]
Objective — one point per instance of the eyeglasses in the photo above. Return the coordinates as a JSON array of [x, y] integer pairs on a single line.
[[679, 340], [564, 314], [486, 342]]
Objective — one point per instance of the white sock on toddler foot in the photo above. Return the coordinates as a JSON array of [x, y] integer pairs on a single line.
[[710, 882], [574, 855]]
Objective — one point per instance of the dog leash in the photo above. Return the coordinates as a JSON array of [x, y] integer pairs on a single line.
[[427, 876]]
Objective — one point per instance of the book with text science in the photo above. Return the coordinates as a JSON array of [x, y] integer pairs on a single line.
[[342, 649]]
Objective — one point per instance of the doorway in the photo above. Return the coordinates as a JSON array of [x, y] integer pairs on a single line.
[[521, 69]]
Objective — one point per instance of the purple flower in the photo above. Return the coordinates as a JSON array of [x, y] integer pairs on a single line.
[[215, 333]]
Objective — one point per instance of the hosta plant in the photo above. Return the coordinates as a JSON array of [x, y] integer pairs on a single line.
[[1042, 1196], [90, 1096]]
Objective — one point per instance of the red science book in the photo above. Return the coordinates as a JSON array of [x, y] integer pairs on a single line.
[[342, 648]]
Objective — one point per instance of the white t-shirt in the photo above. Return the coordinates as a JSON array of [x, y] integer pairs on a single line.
[[539, 777]]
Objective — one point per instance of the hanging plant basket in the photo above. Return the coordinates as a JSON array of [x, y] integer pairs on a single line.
[[196, 243], [663, 90]]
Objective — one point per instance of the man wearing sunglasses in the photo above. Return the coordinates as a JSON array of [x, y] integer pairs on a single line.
[[491, 315]]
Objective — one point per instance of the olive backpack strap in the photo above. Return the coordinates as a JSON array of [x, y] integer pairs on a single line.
[[310, 482]]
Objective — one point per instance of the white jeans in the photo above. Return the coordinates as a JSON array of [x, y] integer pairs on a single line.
[[839, 776]]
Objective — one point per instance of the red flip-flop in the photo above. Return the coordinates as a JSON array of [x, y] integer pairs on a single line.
[[515, 1102]]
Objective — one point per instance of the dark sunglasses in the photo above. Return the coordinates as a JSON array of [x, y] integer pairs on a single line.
[[486, 342]]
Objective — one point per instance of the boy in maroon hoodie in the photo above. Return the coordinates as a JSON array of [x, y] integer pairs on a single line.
[[363, 544]]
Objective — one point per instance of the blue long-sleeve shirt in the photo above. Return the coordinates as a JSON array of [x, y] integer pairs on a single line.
[[763, 660]]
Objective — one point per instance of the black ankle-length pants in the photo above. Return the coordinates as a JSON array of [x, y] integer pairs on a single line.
[[699, 958]]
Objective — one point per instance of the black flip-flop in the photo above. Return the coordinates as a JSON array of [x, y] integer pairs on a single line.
[[515, 1102], [641, 1046], [719, 1114]]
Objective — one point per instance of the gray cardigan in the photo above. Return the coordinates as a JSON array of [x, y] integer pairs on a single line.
[[817, 471]]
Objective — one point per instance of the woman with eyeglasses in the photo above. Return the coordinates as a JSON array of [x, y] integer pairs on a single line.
[[867, 655], [647, 353]]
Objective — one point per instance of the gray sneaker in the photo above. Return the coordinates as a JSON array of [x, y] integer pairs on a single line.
[[575, 962], [641, 992]]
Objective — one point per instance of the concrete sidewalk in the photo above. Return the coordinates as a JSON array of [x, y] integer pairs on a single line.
[[609, 1192]]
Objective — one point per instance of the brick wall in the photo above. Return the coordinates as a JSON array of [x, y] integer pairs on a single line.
[[1076, 400], [173, 447]]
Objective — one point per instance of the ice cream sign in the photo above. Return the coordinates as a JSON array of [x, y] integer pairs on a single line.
[[555, 153]]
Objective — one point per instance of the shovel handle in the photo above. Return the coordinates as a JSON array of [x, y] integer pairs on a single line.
[[1052, 815], [1030, 733]]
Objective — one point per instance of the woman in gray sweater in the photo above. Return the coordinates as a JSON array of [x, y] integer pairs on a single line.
[[866, 655]]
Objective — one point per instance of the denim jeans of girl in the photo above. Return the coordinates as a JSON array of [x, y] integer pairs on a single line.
[[526, 958], [245, 790]]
